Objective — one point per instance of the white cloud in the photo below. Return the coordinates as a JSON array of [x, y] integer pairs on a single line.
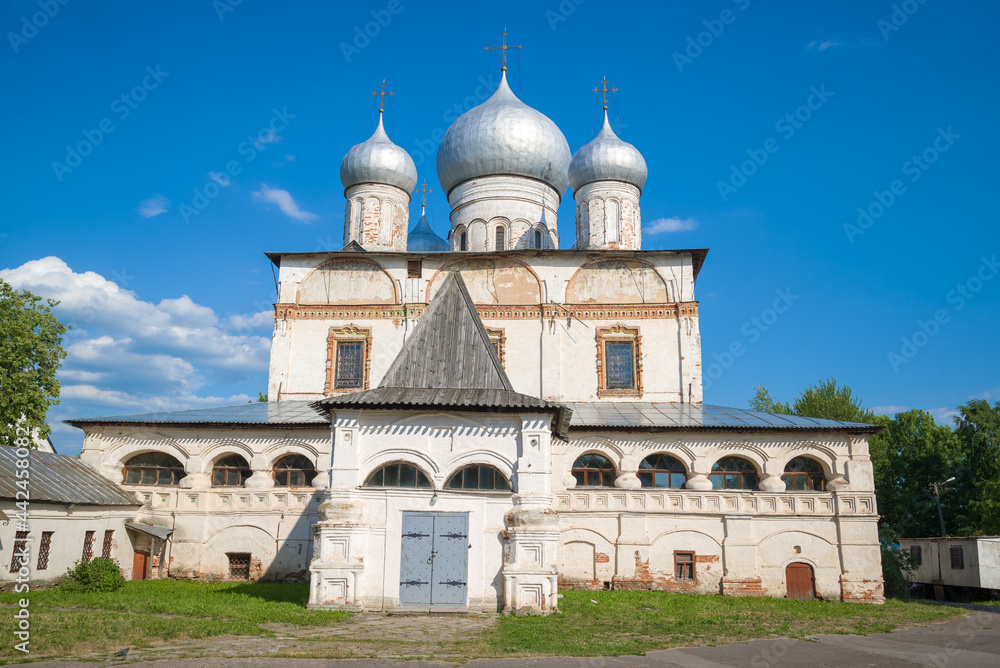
[[271, 137], [661, 225], [284, 201], [944, 415], [889, 410], [153, 206]]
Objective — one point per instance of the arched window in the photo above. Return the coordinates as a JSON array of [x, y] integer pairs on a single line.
[[612, 220], [230, 471], [398, 474], [463, 241], [500, 239], [594, 471], [293, 471], [478, 476], [733, 473], [662, 471], [153, 468], [803, 474], [538, 239]]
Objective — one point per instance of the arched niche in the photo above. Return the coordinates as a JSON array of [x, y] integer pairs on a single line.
[[493, 281], [616, 281], [348, 281]]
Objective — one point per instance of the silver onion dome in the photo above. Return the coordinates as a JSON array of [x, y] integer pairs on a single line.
[[503, 136], [422, 237], [378, 160], [607, 158]]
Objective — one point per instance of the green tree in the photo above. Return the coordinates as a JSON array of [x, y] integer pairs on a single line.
[[31, 353], [978, 487], [763, 402]]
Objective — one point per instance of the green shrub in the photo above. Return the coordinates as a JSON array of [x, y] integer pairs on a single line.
[[95, 575]]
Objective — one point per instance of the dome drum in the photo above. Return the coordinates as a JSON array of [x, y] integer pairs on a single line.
[[511, 198]]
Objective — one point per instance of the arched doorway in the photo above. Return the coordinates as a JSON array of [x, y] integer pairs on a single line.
[[800, 583]]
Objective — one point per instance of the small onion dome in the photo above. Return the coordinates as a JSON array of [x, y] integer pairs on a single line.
[[607, 158], [378, 160], [422, 237], [503, 136]]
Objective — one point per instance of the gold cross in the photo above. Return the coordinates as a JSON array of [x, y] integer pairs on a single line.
[[423, 192], [503, 50], [605, 90], [381, 95]]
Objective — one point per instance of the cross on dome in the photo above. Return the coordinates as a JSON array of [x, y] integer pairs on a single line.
[[605, 90], [381, 95], [503, 50]]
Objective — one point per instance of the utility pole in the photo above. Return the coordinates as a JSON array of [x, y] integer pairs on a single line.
[[937, 500]]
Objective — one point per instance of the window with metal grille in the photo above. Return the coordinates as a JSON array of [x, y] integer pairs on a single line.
[[733, 473], [230, 471], [239, 565], [153, 468], [619, 365], [413, 268], [915, 555], [479, 477], [88, 546], [43, 551], [109, 537], [662, 471], [294, 471], [350, 364], [957, 557], [20, 542], [594, 471], [684, 566], [500, 239], [803, 474], [398, 474]]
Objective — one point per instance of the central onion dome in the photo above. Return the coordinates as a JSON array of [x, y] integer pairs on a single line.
[[378, 160], [607, 158], [503, 136]]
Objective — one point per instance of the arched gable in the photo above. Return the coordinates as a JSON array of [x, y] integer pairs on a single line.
[[348, 281], [499, 280], [616, 280]]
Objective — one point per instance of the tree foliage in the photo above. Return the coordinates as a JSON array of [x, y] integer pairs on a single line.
[[31, 353]]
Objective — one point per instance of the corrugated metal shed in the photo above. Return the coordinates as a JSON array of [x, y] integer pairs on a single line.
[[292, 413], [60, 479], [661, 416]]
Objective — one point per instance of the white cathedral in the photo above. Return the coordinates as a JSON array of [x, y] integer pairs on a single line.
[[478, 422]]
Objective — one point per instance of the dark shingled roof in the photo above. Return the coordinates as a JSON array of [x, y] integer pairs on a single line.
[[289, 413], [60, 479]]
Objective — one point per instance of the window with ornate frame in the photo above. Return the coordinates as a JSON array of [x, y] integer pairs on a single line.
[[499, 341], [662, 470], [684, 566], [293, 471], [619, 362], [733, 473], [594, 471], [231, 471], [348, 351], [480, 477], [804, 474], [153, 468], [398, 474]]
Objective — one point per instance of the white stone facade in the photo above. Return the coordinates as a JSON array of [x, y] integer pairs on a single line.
[[525, 210], [377, 216], [608, 217]]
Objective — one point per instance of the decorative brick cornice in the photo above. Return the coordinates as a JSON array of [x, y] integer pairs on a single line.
[[490, 311]]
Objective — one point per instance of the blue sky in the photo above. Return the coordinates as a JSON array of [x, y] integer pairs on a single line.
[[765, 127]]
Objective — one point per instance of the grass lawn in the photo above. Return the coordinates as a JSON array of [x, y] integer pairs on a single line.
[[154, 612]]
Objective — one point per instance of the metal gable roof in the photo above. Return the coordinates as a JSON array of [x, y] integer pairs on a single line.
[[287, 413], [60, 479]]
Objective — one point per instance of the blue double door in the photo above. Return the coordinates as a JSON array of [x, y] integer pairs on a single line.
[[434, 567]]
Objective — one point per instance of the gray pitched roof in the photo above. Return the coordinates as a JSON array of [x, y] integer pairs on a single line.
[[60, 479], [288, 413], [449, 348], [663, 416]]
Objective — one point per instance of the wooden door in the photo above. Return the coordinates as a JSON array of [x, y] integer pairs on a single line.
[[799, 582], [140, 565]]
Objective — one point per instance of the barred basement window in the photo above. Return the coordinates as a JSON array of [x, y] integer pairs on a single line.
[[20, 542], [239, 565], [957, 558], [88, 546], [398, 474], [43, 551], [915, 555], [684, 566], [109, 536], [293, 471], [479, 477]]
